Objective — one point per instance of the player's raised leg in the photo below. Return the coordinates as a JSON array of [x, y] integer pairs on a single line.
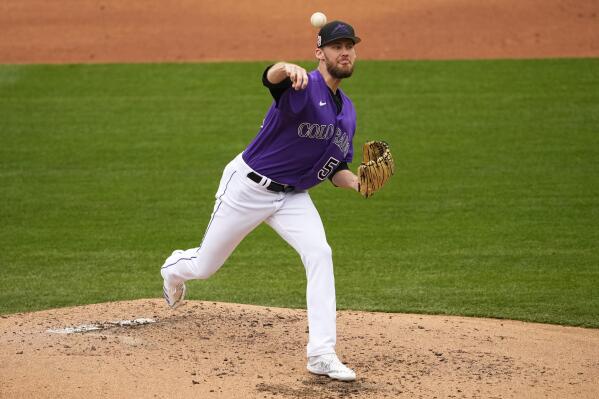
[[237, 211]]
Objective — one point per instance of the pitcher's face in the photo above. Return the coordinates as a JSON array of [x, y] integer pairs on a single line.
[[339, 57]]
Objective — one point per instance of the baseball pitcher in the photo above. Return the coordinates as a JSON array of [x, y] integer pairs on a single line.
[[305, 139]]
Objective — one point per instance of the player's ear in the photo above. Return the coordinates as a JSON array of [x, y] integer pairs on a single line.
[[319, 54]]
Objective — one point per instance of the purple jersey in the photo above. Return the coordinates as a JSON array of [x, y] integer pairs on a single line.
[[303, 139]]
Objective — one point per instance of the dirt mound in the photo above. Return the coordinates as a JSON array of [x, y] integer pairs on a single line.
[[214, 350], [182, 30]]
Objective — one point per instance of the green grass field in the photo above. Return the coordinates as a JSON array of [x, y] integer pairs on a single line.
[[105, 169]]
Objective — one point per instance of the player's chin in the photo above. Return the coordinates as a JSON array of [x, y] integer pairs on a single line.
[[342, 71]]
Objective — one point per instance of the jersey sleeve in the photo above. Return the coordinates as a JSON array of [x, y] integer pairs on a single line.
[[287, 99], [276, 89], [294, 101]]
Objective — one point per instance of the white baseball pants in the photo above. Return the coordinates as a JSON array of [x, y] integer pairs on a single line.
[[241, 205]]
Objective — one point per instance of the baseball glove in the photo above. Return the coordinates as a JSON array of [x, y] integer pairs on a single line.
[[376, 168]]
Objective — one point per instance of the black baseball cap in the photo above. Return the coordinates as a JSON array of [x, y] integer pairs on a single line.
[[335, 30]]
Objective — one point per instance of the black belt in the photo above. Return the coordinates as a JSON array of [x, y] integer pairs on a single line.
[[273, 186]]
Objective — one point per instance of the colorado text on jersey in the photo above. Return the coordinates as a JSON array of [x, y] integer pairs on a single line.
[[324, 132]]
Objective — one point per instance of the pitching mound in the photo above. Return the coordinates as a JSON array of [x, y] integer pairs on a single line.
[[216, 350]]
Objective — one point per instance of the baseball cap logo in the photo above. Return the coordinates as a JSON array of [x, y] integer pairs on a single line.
[[342, 28], [319, 41]]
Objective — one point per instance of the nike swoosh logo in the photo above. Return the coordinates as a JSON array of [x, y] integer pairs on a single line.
[[322, 103]]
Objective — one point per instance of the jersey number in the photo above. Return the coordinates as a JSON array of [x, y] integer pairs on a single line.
[[328, 167]]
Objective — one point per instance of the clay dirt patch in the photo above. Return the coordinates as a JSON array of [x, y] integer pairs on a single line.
[[217, 350], [40, 31]]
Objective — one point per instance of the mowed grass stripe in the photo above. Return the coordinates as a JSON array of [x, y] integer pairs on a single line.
[[105, 169]]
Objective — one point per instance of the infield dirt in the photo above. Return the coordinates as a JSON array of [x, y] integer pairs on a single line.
[[216, 350], [213, 350], [36, 31]]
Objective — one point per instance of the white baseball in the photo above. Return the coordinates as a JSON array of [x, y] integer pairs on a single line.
[[318, 20]]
